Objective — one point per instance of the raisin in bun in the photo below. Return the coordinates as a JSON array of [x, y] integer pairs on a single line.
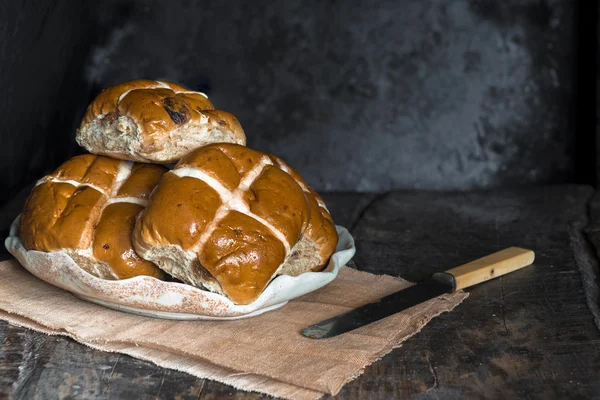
[[153, 121], [87, 209], [229, 219]]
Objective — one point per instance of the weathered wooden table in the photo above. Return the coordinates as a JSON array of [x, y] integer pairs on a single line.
[[529, 334]]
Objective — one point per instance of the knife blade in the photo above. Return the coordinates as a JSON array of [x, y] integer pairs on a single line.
[[467, 275]]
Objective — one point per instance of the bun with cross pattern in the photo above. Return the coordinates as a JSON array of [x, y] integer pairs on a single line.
[[87, 209], [154, 121], [229, 219]]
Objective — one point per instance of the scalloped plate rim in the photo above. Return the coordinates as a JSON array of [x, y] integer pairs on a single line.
[[271, 298]]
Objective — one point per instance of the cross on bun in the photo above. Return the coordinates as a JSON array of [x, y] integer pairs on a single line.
[[153, 121], [87, 209], [229, 219]]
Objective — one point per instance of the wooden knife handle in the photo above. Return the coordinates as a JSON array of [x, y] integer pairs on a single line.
[[492, 266]]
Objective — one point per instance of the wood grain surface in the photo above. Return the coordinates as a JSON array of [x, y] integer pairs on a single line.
[[528, 334]]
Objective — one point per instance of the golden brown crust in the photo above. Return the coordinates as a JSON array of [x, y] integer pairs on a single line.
[[253, 214], [75, 210], [242, 254], [179, 211], [243, 158], [108, 99], [57, 215], [160, 110], [321, 229], [277, 198], [99, 172], [112, 242], [154, 121], [141, 182], [215, 164]]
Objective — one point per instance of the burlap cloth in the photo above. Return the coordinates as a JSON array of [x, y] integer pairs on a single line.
[[264, 354]]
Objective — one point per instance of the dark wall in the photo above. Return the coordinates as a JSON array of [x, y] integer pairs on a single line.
[[361, 95], [370, 95], [43, 45]]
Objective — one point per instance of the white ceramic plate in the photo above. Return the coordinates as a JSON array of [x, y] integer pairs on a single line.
[[151, 297]]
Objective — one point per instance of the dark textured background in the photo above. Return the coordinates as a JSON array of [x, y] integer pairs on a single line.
[[371, 95], [362, 95], [43, 49]]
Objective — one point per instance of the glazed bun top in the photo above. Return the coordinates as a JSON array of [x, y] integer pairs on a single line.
[[87, 209], [154, 121], [229, 219]]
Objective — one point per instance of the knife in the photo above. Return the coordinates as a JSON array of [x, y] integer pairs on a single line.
[[464, 276]]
